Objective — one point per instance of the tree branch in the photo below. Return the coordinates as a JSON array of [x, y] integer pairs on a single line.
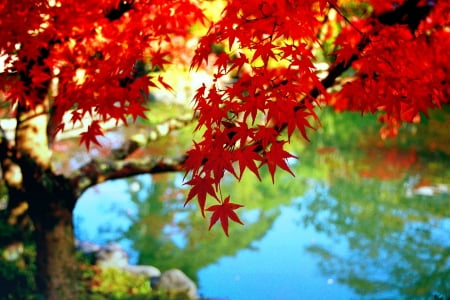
[[150, 135], [125, 162], [98, 171]]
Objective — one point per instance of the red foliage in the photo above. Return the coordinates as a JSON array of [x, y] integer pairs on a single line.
[[92, 47], [403, 71], [223, 212], [392, 59]]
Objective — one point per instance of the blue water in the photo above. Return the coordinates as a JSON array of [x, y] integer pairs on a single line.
[[277, 267], [280, 268], [100, 215]]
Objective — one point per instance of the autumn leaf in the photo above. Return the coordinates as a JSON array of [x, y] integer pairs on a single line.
[[247, 158], [201, 188], [165, 84], [39, 76], [136, 110], [265, 52], [159, 59], [90, 135], [277, 157], [223, 212]]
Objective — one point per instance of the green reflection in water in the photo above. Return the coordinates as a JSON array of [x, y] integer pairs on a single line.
[[167, 234], [397, 240], [389, 202], [395, 244]]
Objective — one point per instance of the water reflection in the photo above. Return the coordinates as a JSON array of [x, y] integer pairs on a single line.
[[166, 234], [395, 246], [371, 221]]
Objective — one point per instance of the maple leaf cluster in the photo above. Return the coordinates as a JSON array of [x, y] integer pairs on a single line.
[[266, 81], [403, 71], [261, 86]]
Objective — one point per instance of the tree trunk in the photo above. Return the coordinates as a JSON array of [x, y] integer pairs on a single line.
[[51, 199], [56, 275]]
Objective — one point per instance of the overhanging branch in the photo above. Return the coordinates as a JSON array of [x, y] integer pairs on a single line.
[[98, 171], [122, 162]]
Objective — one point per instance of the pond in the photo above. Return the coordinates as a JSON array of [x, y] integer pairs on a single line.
[[361, 219]]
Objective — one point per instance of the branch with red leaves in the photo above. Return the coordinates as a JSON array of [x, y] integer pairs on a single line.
[[250, 114]]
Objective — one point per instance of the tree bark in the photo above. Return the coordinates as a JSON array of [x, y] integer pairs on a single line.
[[51, 199], [56, 276]]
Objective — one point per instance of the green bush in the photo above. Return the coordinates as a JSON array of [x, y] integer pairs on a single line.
[[113, 283]]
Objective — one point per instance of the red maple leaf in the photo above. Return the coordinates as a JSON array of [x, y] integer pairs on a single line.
[[90, 135], [277, 156], [136, 109], [247, 157], [165, 84], [201, 187], [159, 59], [265, 51], [223, 212]]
